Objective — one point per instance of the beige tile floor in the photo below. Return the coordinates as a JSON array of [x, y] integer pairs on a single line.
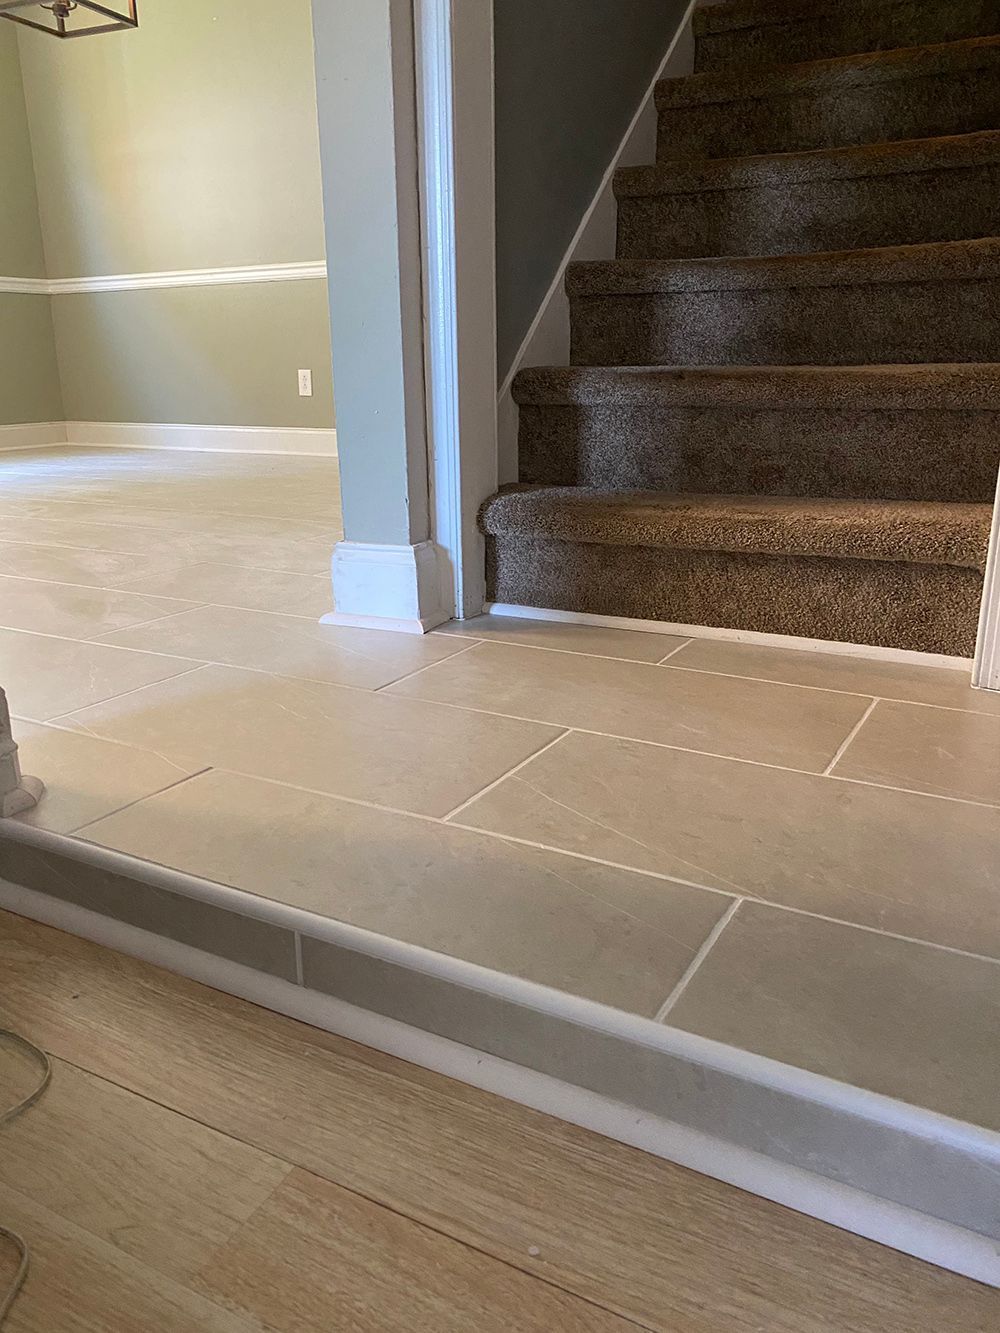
[[793, 852]]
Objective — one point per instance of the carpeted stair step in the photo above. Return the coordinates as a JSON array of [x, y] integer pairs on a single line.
[[919, 303], [901, 193], [915, 93], [905, 574], [761, 32], [879, 432]]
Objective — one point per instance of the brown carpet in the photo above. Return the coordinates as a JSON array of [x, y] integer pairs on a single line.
[[783, 412]]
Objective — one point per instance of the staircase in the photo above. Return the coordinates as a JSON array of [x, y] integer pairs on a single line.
[[783, 409]]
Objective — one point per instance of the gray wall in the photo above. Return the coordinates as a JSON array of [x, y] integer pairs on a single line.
[[29, 379], [190, 144], [570, 75]]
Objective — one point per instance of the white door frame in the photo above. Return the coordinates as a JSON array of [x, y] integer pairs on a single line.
[[454, 53]]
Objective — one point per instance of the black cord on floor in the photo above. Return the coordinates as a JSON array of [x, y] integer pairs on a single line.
[[45, 1066]]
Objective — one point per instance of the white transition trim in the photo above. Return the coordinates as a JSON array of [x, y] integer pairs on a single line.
[[986, 675], [396, 588], [903, 656], [205, 439], [188, 277], [32, 435], [947, 1246], [547, 342]]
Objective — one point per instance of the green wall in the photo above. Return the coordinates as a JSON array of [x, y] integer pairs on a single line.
[[570, 75], [189, 144], [29, 375], [223, 353], [29, 379]]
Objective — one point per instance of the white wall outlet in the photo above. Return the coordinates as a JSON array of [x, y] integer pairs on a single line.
[[305, 384]]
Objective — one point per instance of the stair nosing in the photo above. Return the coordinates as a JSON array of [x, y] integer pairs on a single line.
[[816, 76], [588, 499], [932, 261], [754, 171]]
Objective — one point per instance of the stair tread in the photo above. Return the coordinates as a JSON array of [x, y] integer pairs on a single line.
[[910, 531], [819, 76], [931, 261], [780, 170], [962, 386]]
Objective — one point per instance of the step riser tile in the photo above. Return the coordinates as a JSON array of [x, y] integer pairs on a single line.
[[910, 208], [885, 455]]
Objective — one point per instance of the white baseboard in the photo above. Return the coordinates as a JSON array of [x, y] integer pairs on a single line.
[[903, 656], [901, 1228], [547, 342], [32, 435], [387, 587], [204, 439]]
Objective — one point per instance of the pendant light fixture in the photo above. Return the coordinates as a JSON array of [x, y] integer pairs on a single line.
[[71, 18]]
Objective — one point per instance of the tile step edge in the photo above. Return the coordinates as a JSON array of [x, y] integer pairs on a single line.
[[717, 1095]]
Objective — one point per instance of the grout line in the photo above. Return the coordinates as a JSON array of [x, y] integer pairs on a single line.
[[504, 776], [98, 639], [426, 667], [138, 801], [499, 836], [842, 749], [674, 651], [550, 648], [299, 969], [697, 960], [113, 698]]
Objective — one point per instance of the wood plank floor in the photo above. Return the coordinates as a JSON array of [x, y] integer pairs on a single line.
[[202, 1164]]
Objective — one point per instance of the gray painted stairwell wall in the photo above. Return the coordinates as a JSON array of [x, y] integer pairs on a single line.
[[570, 75]]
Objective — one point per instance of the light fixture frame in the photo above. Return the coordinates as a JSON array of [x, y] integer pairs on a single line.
[[118, 21]]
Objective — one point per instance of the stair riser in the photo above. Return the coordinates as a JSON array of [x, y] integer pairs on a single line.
[[925, 608], [878, 323], [811, 216], [858, 28], [883, 455], [918, 108]]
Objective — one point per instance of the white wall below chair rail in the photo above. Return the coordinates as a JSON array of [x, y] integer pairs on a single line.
[[191, 277]]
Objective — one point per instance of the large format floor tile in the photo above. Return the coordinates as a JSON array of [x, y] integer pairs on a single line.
[[75, 612], [775, 724], [297, 550], [45, 676], [898, 861], [291, 646], [592, 639], [939, 750], [945, 686], [395, 752], [234, 585], [615, 936], [905, 1019], [86, 778], [95, 569]]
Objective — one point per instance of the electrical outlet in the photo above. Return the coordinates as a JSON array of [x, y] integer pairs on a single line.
[[305, 384]]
